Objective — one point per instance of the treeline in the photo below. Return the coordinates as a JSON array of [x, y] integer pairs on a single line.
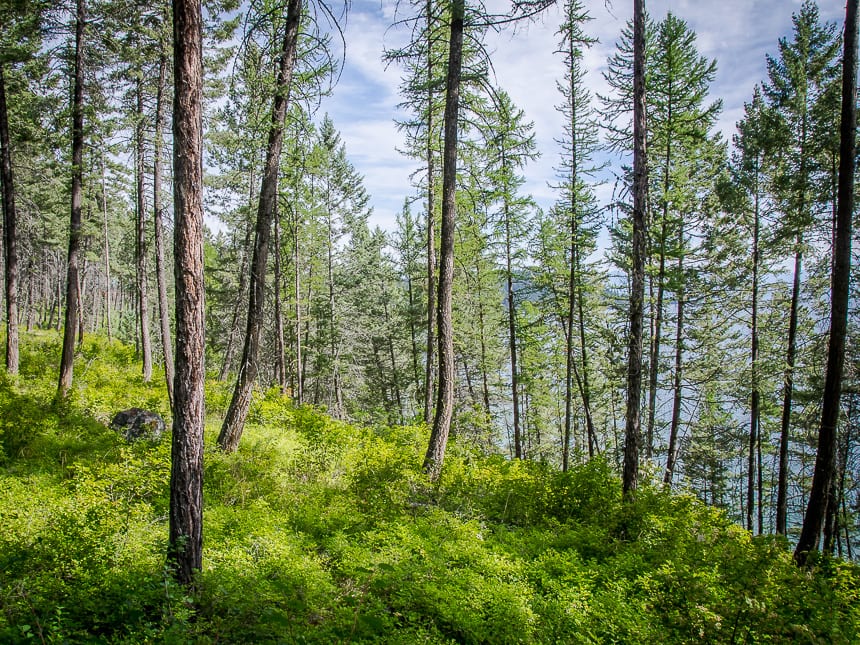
[[481, 310]]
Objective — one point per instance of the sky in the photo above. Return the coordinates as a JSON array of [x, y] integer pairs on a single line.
[[737, 33]]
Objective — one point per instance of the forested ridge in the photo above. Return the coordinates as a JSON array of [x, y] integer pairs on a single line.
[[631, 419]]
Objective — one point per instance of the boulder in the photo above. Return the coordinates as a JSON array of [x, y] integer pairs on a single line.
[[136, 423]]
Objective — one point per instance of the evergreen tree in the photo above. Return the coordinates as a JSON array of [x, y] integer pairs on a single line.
[[577, 214], [797, 81], [445, 398], [633, 429], [819, 496], [234, 420], [21, 38], [185, 549], [72, 315]]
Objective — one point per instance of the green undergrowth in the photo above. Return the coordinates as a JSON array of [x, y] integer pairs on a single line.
[[317, 531]]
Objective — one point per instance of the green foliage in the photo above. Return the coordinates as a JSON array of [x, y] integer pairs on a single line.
[[317, 531]]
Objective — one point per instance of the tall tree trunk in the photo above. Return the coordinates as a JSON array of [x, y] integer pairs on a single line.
[[656, 336], [185, 550], [679, 355], [300, 364], [445, 396], [413, 335], [754, 341], [788, 387], [512, 329], [431, 231], [482, 336], [569, 371], [158, 221], [31, 307], [108, 321], [140, 246], [68, 356], [846, 451], [395, 378], [585, 389], [280, 365], [825, 457], [334, 347], [234, 421], [237, 306], [10, 236], [633, 429]]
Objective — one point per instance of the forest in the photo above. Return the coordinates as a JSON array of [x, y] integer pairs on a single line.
[[630, 416]]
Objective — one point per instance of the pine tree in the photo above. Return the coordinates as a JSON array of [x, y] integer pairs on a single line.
[[633, 430], [21, 37], [797, 80], [72, 316], [825, 455], [234, 420], [577, 212], [445, 397], [185, 550]]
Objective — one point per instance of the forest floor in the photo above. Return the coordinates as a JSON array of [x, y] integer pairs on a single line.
[[317, 531]]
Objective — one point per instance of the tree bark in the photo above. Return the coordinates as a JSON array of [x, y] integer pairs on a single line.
[[675, 424], [656, 337], [788, 388], [825, 457], [431, 231], [234, 325], [585, 390], [297, 285], [185, 550], [445, 389], [234, 421], [68, 356], [108, 321], [281, 367], [633, 429], [140, 246], [158, 221], [512, 328], [754, 342], [10, 236]]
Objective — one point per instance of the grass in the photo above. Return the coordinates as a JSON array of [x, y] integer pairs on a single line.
[[317, 531]]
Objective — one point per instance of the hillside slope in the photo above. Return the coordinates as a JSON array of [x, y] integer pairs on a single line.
[[317, 531]]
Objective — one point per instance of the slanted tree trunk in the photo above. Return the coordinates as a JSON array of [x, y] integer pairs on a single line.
[[68, 356], [10, 236], [633, 429], [788, 388], [234, 421], [585, 390], [185, 549], [445, 387], [140, 246], [158, 221], [825, 457]]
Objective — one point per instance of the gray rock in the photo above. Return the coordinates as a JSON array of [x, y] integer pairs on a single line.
[[136, 423]]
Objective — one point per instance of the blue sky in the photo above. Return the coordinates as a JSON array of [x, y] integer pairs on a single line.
[[737, 33]]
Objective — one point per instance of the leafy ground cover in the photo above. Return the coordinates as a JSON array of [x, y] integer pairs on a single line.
[[317, 531]]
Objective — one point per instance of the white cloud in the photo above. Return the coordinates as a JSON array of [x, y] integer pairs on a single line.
[[738, 33]]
